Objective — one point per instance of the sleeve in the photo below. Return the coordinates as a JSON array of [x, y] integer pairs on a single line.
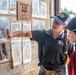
[[37, 35], [70, 48]]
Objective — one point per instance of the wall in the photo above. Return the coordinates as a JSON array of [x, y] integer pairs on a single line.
[[29, 68]]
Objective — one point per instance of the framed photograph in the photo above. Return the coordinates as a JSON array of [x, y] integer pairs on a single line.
[[26, 27], [12, 6], [43, 10], [16, 54], [15, 27], [35, 24], [26, 52], [4, 6], [41, 25], [4, 24], [35, 8], [4, 52]]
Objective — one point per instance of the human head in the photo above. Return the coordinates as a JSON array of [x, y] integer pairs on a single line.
[[60, 20], [72, 27]]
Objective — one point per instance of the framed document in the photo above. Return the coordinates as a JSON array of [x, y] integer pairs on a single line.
[[15, 27], [26, 27], [16, 54], [12, 6], [35, 24], [23, 11], [26, 52], [35, 8], [4, 6], [43, 10], [41, 25]]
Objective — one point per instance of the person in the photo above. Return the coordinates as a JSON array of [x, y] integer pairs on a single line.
[[72, 36], [50, 45]]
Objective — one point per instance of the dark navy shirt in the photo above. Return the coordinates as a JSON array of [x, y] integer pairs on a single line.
[[50, 50]]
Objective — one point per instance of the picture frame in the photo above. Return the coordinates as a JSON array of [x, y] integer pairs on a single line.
[[15, 26], [43, 11], [26, 52], [4, 52], [4, 4], [4, 24], [12, 6], [35, 24], [16, 54], [26, 27], [35, 8], [41, 25]]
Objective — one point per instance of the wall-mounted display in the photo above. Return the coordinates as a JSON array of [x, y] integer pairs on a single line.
[[26, 52], [16, 54], [23, 11], [26, 27], [41, 25], [12, 6], [4, 24], [4, 6], [35, 8], [43, 10], [35, 24], [15, 27]]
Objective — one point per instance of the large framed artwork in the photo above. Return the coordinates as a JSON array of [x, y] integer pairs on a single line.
[[4, 6], [35, 24], [43, 10], [12, 6], [4, 24], [26, 27], [35, 8], [16, 54], [15, 27], [41, 25], [26, 52]]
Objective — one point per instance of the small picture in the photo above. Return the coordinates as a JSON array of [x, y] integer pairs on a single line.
[[43, 9], [16, 54], [4, 6], [4, 24], [35, 8], [12, 7], [3, 52], [26, 27], [26, 52], [41, 25], [35, 25], [15, 27]]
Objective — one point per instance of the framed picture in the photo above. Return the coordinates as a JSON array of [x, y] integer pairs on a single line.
[[43, 10], [26, 27], [35, 8], [4, 6], [4, 52], [26, 52], [12, 6], [41, 25], [35, 24], [16, 54], [15, 27], [4, 24]]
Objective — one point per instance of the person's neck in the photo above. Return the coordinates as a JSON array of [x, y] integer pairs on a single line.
[[56, 34]]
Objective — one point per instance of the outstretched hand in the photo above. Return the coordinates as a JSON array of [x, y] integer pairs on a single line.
[[9, 34]]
